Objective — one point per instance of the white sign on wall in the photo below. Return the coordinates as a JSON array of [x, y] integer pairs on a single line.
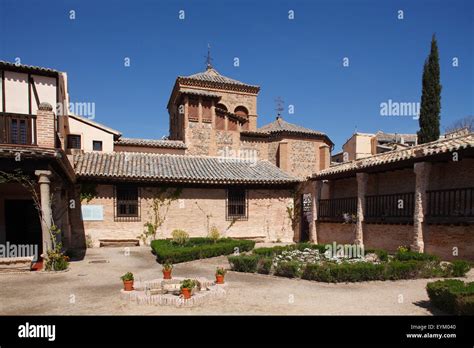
[[92, 212]]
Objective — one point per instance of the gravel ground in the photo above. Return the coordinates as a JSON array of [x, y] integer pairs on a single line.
[[94, 288]]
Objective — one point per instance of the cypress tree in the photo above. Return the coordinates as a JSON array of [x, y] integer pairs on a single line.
[[430, 97]]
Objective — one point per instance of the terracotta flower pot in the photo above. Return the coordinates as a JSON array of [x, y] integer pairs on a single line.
[[166, 274], [186, 293], [219, 279], [128, 285]]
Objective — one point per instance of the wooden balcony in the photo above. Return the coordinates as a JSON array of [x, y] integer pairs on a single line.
[[392, 208], [450, 206], [337, 210], [17, 129]]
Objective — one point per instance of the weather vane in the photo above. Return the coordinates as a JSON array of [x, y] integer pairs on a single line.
[[208, 58], [279, 106]]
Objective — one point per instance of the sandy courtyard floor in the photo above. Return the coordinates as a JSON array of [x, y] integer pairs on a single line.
[[93, 287]]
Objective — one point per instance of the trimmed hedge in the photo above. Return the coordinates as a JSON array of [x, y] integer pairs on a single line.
[[264, 265], [344, 272], [197, 248], [243, 263], [452, 296], [404, 265], [288, 269]]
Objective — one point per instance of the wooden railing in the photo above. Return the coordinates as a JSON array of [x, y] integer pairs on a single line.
[[338, 209], [451, 205], [392, 208], [18, 129]]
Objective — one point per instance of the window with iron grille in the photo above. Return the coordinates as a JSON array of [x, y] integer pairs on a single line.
[[73, 141], [127, 203], [236, 204]]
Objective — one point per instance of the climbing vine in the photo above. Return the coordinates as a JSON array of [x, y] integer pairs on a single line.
[[159, 208]]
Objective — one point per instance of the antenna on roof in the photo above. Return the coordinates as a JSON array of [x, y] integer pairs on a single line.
[[279, 106], [208, 58]]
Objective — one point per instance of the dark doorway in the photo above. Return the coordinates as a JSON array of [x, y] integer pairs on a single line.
[[22, 223], [306, 216]]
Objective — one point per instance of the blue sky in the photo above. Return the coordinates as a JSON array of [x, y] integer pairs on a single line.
[[300, 60]]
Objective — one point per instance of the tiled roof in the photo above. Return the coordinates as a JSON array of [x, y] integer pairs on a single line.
[[38, 153], [395, 137], [177, 169], [413, 152], [170, 144], [281, 126], [213, 77], [14, 66]]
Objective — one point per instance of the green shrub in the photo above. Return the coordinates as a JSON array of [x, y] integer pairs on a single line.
[[271, 251], [413, 255], [403, 269], [243, 263], [452, 296], [264, 265], [180, 237], [344, 272], [56, 260], [459, 268], [289, 269], [197, 248]]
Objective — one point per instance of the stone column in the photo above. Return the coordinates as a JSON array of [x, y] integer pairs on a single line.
[[46, 212], [362, 179], [317, 187], [422, 171]]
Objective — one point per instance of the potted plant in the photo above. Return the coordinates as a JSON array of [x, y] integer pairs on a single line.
[[127, 279], [187, 286], [167, 268], [220, 273]]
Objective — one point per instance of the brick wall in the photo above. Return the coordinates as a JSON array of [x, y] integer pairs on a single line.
[[195, 211], [387, 237], [441, 240], [329, 232], [45, 127]]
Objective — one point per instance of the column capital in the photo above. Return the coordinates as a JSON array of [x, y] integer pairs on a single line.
[[44, 176]]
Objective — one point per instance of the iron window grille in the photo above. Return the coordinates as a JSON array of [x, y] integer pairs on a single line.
[[236, 204], [73, 141], [127, 203]]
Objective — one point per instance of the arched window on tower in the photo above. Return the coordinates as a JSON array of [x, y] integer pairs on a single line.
[[221, 106], [241, 111]]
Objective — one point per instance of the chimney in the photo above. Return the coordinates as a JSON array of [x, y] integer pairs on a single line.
[[45, 126]]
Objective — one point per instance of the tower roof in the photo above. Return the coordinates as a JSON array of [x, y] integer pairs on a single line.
[[280, 126], [212, 78]]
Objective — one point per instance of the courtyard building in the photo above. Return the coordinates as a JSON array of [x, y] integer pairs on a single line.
[[218, 168]]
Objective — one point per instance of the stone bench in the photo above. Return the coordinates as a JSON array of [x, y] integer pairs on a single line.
[[15, 264]]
